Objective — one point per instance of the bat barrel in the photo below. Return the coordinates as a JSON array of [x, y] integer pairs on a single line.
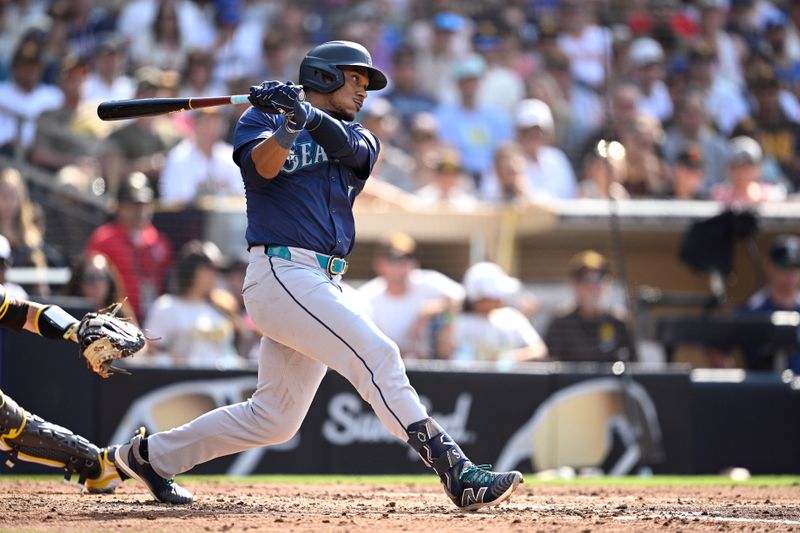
[[148, 107]]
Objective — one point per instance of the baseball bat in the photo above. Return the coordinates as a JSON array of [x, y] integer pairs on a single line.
[[148, 107]]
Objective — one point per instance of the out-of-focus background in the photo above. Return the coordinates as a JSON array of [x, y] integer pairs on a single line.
[[583, 232]]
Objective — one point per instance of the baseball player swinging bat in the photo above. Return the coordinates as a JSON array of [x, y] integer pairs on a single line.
[[148, 107], [303, 161]]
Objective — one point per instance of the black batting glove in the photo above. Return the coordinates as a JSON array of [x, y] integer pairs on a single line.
[[261, 96], [289, 100]]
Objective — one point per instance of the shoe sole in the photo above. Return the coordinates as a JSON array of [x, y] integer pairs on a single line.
[[497, 501]]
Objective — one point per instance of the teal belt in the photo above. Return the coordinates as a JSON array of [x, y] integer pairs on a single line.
[[331, 264]]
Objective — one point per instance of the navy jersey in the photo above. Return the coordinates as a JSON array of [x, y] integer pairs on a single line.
[[309, 204]]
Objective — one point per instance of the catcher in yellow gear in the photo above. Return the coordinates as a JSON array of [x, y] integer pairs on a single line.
[[103, 338]]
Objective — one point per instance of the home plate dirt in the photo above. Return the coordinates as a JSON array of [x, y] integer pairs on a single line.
[[45, 505]]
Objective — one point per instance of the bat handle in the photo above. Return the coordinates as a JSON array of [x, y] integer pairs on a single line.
[[237, 99]]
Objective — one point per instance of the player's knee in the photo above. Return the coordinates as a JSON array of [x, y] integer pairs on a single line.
[[275, 427]]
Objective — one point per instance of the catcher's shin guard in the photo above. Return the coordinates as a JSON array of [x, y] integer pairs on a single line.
[[29, 438]]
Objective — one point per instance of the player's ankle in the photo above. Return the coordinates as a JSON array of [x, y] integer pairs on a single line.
[[143, 450], [435, 447]]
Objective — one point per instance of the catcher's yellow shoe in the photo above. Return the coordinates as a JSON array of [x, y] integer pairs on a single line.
[[108, 479]]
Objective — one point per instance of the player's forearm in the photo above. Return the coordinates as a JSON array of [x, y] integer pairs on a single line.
[[268, 157], [50, 321]]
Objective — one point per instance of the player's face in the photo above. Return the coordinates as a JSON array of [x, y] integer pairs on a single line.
[[346, 101]]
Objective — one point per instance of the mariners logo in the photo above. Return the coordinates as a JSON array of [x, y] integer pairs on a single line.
[[304, 154]]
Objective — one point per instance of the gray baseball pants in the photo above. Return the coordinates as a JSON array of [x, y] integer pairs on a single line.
[[309, 324]]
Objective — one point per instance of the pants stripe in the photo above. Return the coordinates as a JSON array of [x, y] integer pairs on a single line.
[[312, 315]]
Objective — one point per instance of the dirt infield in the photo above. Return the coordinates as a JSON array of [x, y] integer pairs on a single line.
[[45, 505]]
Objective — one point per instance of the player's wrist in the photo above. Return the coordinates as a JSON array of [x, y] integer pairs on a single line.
[[285, 135]]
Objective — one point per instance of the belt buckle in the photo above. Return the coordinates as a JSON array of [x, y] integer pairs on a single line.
[[334, 265]]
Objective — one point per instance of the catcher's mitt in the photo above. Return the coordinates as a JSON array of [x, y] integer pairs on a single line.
[[104, 338]]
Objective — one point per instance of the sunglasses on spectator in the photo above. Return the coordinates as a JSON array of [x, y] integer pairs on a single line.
[[95, 277]]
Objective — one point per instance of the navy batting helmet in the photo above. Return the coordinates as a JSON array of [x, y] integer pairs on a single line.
[[324, 61]]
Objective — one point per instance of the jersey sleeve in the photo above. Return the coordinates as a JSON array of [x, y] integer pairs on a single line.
[[361, 151], [253, 126]]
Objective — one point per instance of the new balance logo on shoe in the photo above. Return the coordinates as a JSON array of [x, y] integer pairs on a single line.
[[468, 497]]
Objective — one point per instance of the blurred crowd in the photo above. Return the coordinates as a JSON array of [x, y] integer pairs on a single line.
[[493, 102]]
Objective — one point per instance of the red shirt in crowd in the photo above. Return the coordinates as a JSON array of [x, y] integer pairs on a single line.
[[142, 261]]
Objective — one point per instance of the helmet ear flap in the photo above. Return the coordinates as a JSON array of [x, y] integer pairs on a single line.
[[320, 76]]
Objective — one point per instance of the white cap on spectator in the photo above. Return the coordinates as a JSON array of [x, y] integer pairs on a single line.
[[645, 51], [533, 112], [744, 149], [488, 280]]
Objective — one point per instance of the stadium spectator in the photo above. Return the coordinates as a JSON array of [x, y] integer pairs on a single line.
[[424, 141], [623, 113], [236, 51], [52, 254], [787, 67], [780, 293], [135, 248], [666, 21], [450, 186], [646, 173], [793, 33], [692, 125], [16, 19], [12, 289], [779, 136], [140, 145], [162, 45], [438, 55], [190, 325], [71, 134], [578, 110], [94, 279], [198, 79], [24, 97], [277, 58], [725, 47], [475, 130], [589, 331], [647, 61], [202, 164], [549, 172], [404, 298], [745, 186], [487, 329], [587, 44], [394, 166], [89, 24], [501, 86], [507, 182], [405, 94], [137, 16], [108, 80], [688, 175], [17, 225], [603, 172], [722, 98]]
